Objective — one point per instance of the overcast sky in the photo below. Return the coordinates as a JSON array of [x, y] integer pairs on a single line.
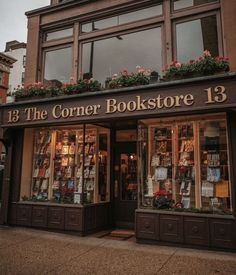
[[13, 22]]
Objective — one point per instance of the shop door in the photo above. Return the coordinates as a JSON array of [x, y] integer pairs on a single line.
[[126, 186]]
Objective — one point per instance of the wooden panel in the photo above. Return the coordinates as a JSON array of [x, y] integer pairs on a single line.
[[196, 231], [147, 226], [24, 213], [171, 228], [102, 215], [56, 217], [222, 233], [12, 214], [39, 216], [89, 218], [73, 219]]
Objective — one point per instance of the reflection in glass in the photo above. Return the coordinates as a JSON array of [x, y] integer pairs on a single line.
[[128, 176], [181, 4], [58, 65], [201, 34], [101, 59], [215, 184], [58, 34], [122, 19]]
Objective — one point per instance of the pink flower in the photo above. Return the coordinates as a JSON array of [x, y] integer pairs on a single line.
[[147, 72], [114, 76], [141, 70], [206, 53], [178, 64], [125, 72]]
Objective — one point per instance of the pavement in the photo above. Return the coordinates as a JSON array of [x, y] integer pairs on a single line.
[[28, 251]]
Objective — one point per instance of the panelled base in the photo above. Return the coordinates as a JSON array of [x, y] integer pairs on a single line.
[[186, 229], [81, 219]]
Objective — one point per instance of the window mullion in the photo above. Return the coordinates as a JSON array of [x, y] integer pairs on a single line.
[[167, 49]]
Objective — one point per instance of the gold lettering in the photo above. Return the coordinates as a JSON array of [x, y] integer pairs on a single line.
[[121, 107], [96, 107], [80, 111], [221, 95], [169, 102], [56, 111], [209, 96], [111, 106], [151, 103], [141, 103], [177, 100], [159, 103], [13, 116], [89, 110], [44, 114], [131, 106], [188, 100]]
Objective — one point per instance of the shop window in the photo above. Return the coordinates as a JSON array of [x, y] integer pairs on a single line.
[[122, 19], [181, 4], [184, 165], [103, 58], [128, 177], [58, 65], [70, 165], [201, 34], [58, 34]]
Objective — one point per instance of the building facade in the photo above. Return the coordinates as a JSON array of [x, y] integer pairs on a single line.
[[6, 62], [17, 50], [159, 158]]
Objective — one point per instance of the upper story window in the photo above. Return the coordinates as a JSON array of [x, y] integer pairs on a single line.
[[23, 77], [24, 61], [58, 65], [123, 18], [148, 36], [58, 34], [103, 58], [201, 34], [182, 4]]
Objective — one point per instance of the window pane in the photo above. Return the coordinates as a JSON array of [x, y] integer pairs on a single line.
[[181, 4], [123, 18], [185, 165], [201, 34], [101, 59], [59, 34], [58, 65]]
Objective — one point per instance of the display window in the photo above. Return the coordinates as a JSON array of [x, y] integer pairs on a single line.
[[69, 165], [184, 166]]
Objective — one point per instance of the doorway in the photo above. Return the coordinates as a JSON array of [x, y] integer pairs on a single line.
[[125, 187]]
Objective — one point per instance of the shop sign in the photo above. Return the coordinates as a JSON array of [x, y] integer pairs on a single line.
[[118, 105]]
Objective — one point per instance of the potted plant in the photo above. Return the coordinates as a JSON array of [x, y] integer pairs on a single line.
[[10, 98], [126, 79], [204, 65]]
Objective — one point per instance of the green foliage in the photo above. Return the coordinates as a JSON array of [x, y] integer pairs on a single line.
[[204, 65], [40, 90], [126, 79]]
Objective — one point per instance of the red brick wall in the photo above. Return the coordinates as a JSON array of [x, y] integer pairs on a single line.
[[4, 87]]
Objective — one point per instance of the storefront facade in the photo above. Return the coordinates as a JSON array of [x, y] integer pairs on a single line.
[[159, 158]]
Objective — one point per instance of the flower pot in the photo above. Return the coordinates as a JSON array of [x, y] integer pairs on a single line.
[[10, 99]]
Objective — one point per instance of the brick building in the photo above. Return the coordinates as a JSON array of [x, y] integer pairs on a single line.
[[6, 63]]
